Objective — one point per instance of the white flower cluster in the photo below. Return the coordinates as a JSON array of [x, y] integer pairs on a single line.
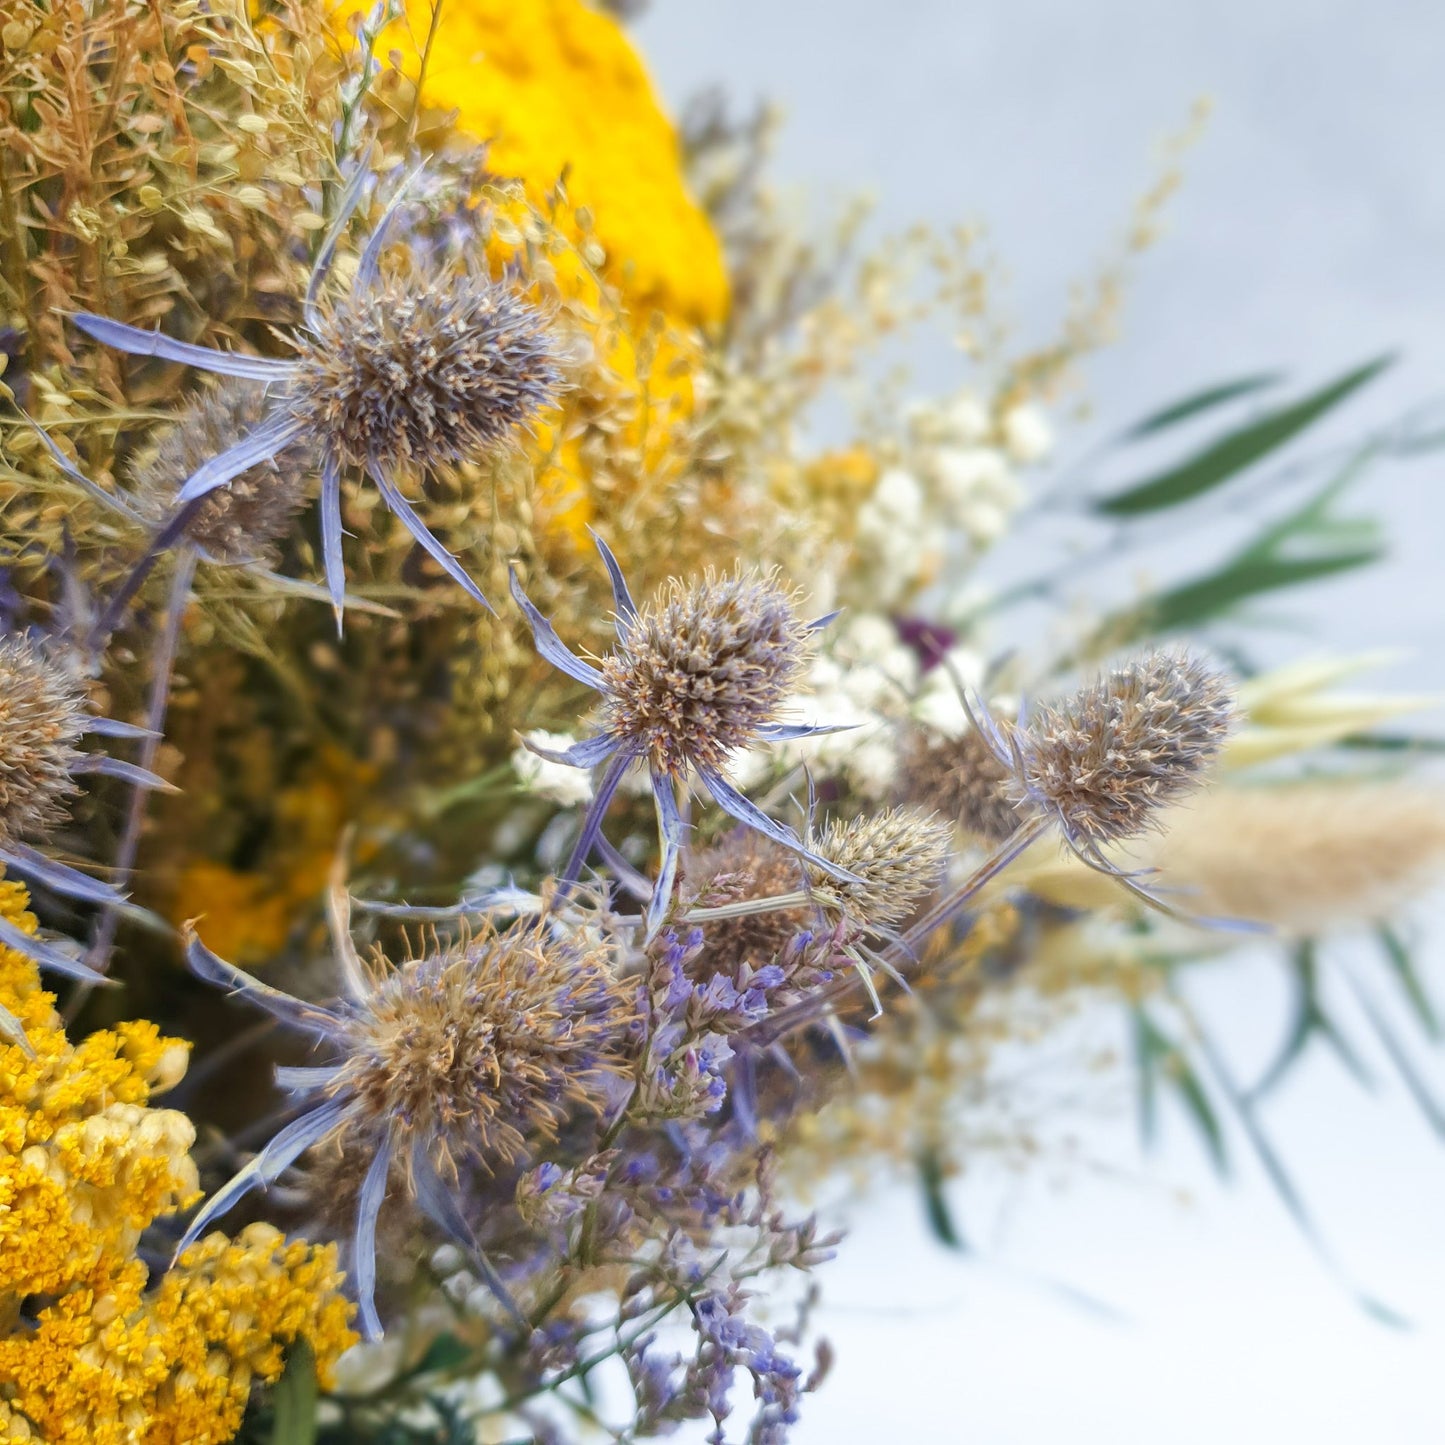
[[556, 782], [954, 478], [865, 680]]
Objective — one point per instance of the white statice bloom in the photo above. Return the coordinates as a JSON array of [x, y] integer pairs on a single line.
[[987, 521], [926, 422], [557, 783], [861, 684], [872, 666], [976, 489], [871, 767], [369, 1364], [1027, 434], [967, 419], [892, 533], [937, 705], [962, 420]]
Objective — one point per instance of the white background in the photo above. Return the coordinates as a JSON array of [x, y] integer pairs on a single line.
[[1310, 236]]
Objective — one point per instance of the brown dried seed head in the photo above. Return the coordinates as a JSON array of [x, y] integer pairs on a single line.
[[899, 855], [746, 865], [42, 717], [478, 1049], [702, 668], [1106, 759], [242, 521], [409, 376], [963, 780]]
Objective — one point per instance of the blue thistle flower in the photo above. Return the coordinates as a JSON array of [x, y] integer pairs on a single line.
[[700, 673], [467, 1056], [43, 718], [395, 376]]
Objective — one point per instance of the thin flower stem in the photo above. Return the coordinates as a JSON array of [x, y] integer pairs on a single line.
[[168, 536], [587, 1235], [98, 955], [746, 906], [431, 35], [582, 1367], [903, 950]]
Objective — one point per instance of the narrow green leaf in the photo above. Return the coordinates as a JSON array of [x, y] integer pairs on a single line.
[[1160, 1059], [1284, 1186], [1391, 743], [941, 1223], [1411, 1077], [1406, 975], [1199, 402], [1148, 1046], [1208, 598], [1196, 1104], [1311, 1020], [1301, 966], [294, 1399], [1238, 450]]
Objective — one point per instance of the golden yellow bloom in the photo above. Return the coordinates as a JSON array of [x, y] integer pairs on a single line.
[[86, 1165], [249, 915], [556, 90], [559, 95]]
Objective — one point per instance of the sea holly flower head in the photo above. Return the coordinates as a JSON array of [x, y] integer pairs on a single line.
[[467, 1057], [1103, 761], [1100, 764], [43, 718], [397, 376], [697, 674]]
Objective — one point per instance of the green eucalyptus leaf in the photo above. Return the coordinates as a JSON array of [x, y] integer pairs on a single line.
[[1208, 598], [1399, 1055], [1195, 1099], [1307, 544], [1311, 1021], [1233, 453], [1149, 1047], [1199, 402], [1391, 743], [1162, 1062], [941, 1222], [1408, 977]]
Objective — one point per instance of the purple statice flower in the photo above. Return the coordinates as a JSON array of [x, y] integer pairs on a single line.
[[699, 673], [400, 376], [468, 1056], [669, 1389]]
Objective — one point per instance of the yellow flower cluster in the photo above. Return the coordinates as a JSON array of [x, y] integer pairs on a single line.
[[88, 1352], [593, 208], [557, 91]]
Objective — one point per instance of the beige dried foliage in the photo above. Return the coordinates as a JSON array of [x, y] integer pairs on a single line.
[[1305, 857]]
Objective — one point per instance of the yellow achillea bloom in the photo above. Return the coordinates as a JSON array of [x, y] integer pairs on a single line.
[[89, 1353], [558, 94], [555, 88]]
